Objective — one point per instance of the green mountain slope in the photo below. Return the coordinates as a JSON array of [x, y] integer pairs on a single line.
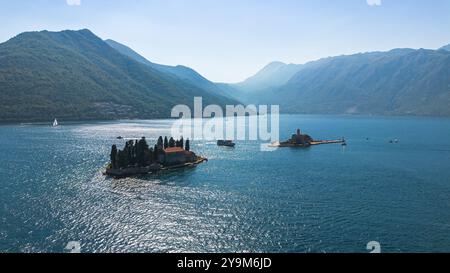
[[182, 72], [75, 75], [398, 82]]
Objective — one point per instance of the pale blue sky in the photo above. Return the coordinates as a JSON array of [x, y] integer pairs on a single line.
[[229, 40]]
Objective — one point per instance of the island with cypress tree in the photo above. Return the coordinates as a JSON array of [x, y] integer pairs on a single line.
[[138, 158]]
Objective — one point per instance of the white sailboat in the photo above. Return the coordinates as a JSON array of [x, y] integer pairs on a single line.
[[55, 123]]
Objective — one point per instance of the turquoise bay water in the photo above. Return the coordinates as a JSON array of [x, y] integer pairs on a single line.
[[323, 199]]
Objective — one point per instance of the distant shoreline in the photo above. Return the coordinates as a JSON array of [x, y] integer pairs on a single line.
[[87, 121]]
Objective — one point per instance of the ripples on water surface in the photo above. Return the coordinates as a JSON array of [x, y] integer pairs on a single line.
[[323, 199]]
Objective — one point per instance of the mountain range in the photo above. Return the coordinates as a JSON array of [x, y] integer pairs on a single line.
[[75, 75], [397, 82], [447, 47]]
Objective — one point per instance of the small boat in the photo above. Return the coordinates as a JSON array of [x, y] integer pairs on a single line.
[[119, 137], [344, 144], [55, 123], [226, 143]]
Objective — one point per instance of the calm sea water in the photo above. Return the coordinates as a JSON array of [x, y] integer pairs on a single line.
[[323, 199]]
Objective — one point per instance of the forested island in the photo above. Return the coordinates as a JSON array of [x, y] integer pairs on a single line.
[[138, 157]]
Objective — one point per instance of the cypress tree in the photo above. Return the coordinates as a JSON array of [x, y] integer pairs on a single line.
[[141, 151], [113, 157], [135, 152], [130, 153], [121, 162], [171, 142], [160, 142], [182, 143], [166, 143], [188, 145]]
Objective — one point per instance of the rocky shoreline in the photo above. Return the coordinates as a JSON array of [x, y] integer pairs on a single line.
[[156, 168]]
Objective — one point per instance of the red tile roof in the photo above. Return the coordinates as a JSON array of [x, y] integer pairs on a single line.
[[174, 150]]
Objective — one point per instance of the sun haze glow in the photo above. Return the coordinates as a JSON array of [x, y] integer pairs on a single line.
[[73, 2]]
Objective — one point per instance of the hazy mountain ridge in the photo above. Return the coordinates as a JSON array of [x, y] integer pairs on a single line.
[[273, 75], [397, 82], [75, 75]]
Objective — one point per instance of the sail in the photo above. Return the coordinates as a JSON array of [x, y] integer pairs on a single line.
[[55, 123]]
